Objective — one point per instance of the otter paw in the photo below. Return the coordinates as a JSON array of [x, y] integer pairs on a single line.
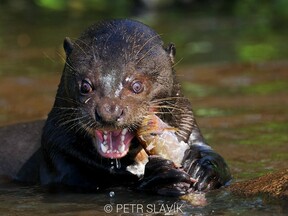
[[208, 168], [162, 177]]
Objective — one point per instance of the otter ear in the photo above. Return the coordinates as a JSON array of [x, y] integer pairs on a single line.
[[171, 50], [68, 46]]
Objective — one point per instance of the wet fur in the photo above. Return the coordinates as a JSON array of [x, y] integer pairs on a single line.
[[114, 50]]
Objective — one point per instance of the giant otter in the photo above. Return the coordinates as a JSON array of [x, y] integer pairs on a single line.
[[114, 74]]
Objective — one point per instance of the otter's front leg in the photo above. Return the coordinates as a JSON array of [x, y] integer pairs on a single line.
[[200, 163], [162, 177], [206, 166]]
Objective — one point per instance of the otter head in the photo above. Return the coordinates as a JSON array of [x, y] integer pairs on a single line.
[[113, 73]]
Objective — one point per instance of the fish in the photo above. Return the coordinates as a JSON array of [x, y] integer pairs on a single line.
[[158, 138]]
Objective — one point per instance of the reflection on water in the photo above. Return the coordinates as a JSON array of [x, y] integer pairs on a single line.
[[241, 108], [33, 201]]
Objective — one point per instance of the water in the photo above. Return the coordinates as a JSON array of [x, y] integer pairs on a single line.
[[118, 163], [115, 163], [32, 201], [241, 107]]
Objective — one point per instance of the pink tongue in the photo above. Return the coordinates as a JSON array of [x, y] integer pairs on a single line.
[[113, 144]]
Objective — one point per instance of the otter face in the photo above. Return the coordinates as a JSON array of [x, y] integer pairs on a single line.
[[117, 69]]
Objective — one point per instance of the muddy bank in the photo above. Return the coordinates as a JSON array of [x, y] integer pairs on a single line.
[[272, 185]]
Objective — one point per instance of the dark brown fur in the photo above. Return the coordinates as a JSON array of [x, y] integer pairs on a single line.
[[97, 91]]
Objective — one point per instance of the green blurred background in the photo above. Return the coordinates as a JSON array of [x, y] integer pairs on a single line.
[[204, 31]]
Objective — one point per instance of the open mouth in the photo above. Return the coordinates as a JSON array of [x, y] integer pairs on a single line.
[[113, 144]]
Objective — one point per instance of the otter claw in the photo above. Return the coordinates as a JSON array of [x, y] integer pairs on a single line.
[[207, 167], [162, 177]]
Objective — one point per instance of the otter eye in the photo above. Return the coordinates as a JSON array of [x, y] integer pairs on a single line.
[[86, 87], [137, 87]]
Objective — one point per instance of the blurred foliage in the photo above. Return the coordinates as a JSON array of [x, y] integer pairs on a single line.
[[257, 52], [86, 5], [52, 4], [277, 86], [272, 133], [264, 18], [203, 30], [210, 112], [265, 12], [197, 90]]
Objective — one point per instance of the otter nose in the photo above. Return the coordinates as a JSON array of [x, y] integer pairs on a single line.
[[109, 112]]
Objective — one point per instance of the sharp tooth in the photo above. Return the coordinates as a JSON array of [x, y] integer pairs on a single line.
[[124, 131], [122, 138], [105, 133], [121, 148], [105, 137], [104, 147]]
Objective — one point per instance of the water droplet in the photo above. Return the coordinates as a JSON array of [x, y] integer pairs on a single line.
[[118, 163], [112, 167], [112, 194]]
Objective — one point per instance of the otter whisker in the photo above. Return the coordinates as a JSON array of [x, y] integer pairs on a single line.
[[78, 45], [82, 41], [95, 54], [87, 100], [106, 42], [162, 104], [85, 127], [76, 119], [147, 41], [68, 63], [175, 64], [167, 98], [133, 127], [62, 57], [70, 66], [162, 112], [167, 107], [62, 116], [65, 108], [69, 100], [134, 45], [73, 126], [146, 54]]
